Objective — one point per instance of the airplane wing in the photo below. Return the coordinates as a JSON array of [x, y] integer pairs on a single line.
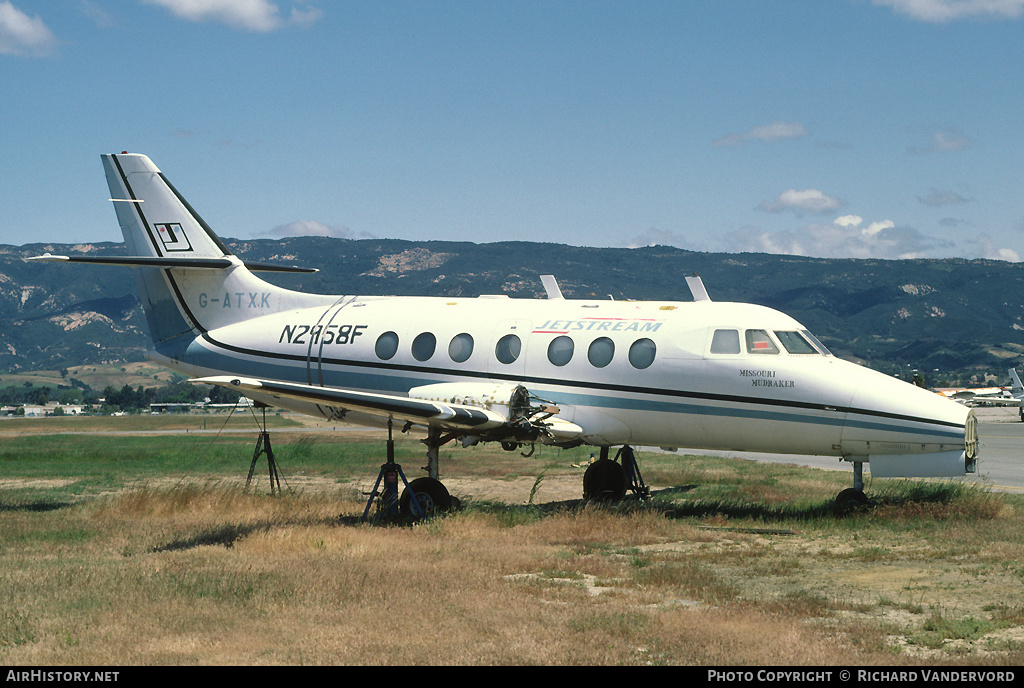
[[994, 401], [985, 398], [451, 416], [395, 407]]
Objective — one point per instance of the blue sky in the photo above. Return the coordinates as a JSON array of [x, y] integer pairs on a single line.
[[835, 128]]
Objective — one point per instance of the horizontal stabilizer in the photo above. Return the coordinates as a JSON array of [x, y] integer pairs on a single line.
[[169, 262]]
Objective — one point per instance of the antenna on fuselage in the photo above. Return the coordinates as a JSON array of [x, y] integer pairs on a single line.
[[696, 286], [551, 287]]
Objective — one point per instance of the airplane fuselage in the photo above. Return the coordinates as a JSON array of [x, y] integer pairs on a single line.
[[642, 373]]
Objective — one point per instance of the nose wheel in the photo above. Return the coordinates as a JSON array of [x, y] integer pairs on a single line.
[[853, 498]]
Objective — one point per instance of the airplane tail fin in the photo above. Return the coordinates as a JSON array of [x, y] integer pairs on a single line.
[[188, 279], [1017, 389], [155, 219]]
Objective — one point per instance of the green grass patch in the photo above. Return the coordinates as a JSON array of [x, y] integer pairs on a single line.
[[938, 629]]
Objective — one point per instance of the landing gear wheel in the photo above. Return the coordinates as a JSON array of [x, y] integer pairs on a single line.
[[604, 481], [851, 499], [431, 495]]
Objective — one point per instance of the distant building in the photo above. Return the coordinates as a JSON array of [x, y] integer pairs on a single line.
[[40, 410], [198, 406]]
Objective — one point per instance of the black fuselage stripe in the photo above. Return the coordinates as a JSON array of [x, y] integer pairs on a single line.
[[581, 384]]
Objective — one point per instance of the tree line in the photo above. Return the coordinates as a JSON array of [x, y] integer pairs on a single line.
[[111, 398]]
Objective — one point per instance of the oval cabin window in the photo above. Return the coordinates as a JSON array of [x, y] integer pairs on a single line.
[[641, 354], [508, 348], [461, 347], [601, 352], [386, 346], [423, 346], [560, 350]]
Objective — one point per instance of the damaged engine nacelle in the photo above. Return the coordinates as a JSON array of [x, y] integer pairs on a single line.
[[529, 419]]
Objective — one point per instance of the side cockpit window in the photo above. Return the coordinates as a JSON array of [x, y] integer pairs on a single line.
[[758, 342], [725, 342]]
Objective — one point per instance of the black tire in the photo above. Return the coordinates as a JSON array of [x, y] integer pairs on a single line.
[[431, 495], [851, 499], [604, 481]]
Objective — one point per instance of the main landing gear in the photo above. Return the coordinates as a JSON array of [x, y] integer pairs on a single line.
[[422, 497], [607, 481]]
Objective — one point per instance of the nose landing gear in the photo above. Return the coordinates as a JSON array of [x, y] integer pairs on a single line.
[[853, 498]]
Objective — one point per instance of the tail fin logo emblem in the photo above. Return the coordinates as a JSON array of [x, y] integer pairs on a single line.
[[173, 238]]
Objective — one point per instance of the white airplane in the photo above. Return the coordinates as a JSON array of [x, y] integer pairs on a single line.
[[992, 396], [557, 371]]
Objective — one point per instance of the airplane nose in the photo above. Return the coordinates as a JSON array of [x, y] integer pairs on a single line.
[[971, 441], [896, 423]]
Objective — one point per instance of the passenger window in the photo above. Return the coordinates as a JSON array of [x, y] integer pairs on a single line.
[[641, 354], [423, 346], [601, 352], [560, 350], [758, 342], [386, 346], [795, 343], [461, 347], [725, 342], [508, 348]]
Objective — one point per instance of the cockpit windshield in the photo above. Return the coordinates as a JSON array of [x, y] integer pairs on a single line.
[[795, 343], [761, 342]]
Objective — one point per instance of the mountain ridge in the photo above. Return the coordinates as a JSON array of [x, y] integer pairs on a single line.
[[965, 317]]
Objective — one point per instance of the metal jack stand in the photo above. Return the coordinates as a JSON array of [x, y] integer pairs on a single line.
[[263, 447], [390, 473], [632, 469]]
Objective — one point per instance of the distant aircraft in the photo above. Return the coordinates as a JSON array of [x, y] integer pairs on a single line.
[[992, 396], [555, 371]]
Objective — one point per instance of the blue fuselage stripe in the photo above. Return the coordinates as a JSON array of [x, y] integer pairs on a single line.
[[400, 379]]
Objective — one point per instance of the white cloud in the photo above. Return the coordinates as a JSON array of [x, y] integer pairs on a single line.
[[842, 238], [876, 227], [943, 142], [940, 11], [989, 250], [807, 200], [660, 237], [23, 35], [313, 228], [769, 133], [260, 16], [941, 197]]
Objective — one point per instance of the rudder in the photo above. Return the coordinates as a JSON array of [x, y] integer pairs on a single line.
[[188, 279]]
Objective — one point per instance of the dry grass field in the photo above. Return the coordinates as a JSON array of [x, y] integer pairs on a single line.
[[142, 550]]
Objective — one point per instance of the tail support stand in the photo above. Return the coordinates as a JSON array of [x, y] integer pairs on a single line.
[[263, 447], [390, 473]]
